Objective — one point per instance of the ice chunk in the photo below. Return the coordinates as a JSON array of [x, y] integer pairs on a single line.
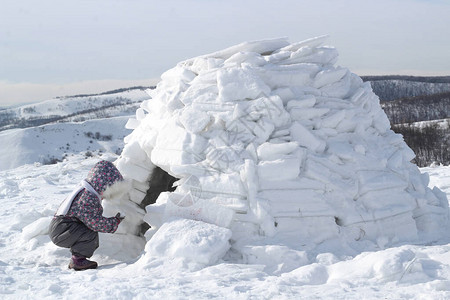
[[283, 78], [284, 93], [332, 120], [329, 76], [137, 196], [272, 151], [261, 47], [38, 227], [312, 43], [379, 180], [177, 74], [289, 203], [310, 230], [132, 124], [169, 157], [223, 184], [131, 170], [200, 93], [280, 169], [240, 84], [193, 120], [299, 114], [193, 240], [321, 56], [342, 149], [278, 259], [134, 151], [279, 76], [173, 137], [301, 183], [251, 58], [306, 138], [306, 102], [391, 200], [192, 207], [140, 114]]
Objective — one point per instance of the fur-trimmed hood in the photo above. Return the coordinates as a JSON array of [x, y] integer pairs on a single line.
[[104, 175]]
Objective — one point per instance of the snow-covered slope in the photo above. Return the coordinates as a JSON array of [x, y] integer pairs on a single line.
[[49, 143], [84, 123], [73, 108], [31, 267]]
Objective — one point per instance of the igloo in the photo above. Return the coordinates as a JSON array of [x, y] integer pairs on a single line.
[[271, 139]]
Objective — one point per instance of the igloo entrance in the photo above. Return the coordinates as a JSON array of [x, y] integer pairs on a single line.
[[279, 143], [160, 181]]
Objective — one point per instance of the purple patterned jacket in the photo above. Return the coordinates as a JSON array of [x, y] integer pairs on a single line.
[[87, 207]]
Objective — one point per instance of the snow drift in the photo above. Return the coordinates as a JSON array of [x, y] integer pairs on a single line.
[[272, 141]]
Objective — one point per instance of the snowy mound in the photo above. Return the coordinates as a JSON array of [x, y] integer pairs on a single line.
[[271, 140]]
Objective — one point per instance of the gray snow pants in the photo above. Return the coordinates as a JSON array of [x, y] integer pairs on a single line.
[[71, 233]]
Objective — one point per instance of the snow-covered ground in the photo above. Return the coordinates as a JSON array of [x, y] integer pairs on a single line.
[[31, 267]]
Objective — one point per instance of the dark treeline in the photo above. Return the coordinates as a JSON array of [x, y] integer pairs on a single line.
[[430, 143], [110, 92], [416, 109], [431, 79]]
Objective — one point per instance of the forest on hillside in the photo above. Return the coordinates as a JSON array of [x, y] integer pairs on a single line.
[[424, 122]]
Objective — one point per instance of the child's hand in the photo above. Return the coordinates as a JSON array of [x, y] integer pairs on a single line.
[[118, 216]]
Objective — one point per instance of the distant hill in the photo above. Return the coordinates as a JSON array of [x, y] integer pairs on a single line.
[[394, 87], [431, 79], [76, 108], [51, 143], [416, 109], [419, 109]]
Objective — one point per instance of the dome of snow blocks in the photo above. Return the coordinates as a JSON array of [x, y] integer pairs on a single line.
[[272, 139]]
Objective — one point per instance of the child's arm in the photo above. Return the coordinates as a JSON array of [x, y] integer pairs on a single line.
[[91, 216]]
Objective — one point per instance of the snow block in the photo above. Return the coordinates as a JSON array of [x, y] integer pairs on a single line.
[[193, 240], [306, 138]]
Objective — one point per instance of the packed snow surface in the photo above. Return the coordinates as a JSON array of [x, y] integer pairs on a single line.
[[31, 267]]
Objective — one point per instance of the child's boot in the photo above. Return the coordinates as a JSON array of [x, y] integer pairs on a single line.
[[79, 263]]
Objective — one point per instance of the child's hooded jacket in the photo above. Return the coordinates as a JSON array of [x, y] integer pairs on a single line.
[[87, 207]]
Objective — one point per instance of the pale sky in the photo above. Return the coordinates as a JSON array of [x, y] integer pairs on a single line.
[[56, 48]]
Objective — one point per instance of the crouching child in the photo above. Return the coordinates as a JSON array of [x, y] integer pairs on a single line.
[[79, 218]]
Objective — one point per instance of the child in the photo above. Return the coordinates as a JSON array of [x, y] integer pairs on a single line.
[[79, 218]]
